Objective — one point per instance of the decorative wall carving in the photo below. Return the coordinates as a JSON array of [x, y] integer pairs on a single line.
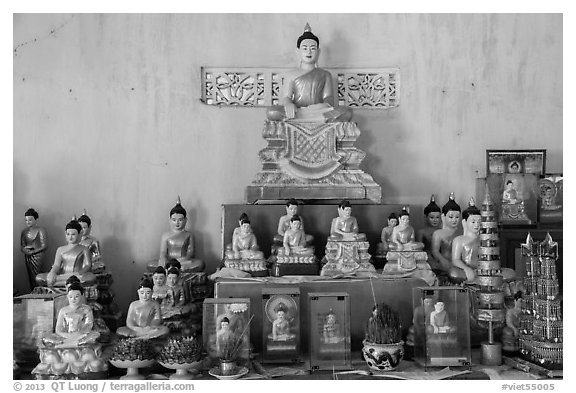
[[260, 87]]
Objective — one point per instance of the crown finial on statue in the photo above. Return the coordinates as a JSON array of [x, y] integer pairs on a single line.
[[307, 28], [178, 200], [432, 198], [451, 197], [74, 217], [84, 212], [471, 202]]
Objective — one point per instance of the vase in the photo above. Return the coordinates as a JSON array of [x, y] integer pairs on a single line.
[[227, 367], [383, 357]]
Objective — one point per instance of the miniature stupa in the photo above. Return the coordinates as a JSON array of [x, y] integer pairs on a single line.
[[541, 326]]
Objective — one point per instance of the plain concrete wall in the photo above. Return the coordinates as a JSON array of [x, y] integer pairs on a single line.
[[107, 114]]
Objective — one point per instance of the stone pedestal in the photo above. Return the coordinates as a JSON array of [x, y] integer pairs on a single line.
[[346, 257], [312, 161]]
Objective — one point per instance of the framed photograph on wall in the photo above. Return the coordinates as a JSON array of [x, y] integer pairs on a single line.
[[550, 197], [512, 177]]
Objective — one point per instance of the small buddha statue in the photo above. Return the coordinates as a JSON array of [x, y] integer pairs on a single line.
[[466, 247], [510, 332], [281, 325], [386, 234], [432, 222], [245, 245], [295, 239], [442, 238], [225, 339], [33, 244], [403, 235], [307, 93], [284, 223], [439, 321], [90, 242], [178, 243], [331, 330], [345, 226], [173, 281], [144, 319], [161, 291], [510, 195], [237, 230], [74, 323], [71, 259]]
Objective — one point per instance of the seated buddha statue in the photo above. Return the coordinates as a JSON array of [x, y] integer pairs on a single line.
[[386, 234], [244, 244], [90, 242], [161, 291], [237, 230], [33, 244], [144, 319], [284, 223], [432, 222], [295, 240], [512, 203], [281, 326], [442, 238], [466, 247], [178, 294], [403, 235], [345, 226], [71, 259], [178, 243], [307, 93], [331, 330], [74, 323]]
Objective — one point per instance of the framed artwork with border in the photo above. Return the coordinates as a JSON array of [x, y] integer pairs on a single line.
[[512, 177]]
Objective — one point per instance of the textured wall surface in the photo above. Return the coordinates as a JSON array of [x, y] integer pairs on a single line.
[[107, 114]]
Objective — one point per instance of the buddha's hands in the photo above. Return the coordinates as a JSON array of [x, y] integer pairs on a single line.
[[287, 251], [51, 278], [290, 110], [469, 274]]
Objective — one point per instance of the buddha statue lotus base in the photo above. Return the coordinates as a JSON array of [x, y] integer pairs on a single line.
[[312, 161], [347, 257], [70, 363], [256, 267], [405, 261]]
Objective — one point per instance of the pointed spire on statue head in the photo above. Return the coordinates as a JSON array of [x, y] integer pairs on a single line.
[[307, 35], [307, 28], [432, 206], [471, 210], [451, 205], [178, 209]]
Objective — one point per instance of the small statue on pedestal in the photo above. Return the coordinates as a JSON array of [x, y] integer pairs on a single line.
[[432, 222], [466, 248], [403, 235], [439, 320], [71, 259], [91, 243], [178, 243], [284, 223], [245, 254], [144, 319], [295, 240], [331, 330], [33, 243]]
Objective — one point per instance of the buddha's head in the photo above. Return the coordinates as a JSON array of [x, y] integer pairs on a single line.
[[242, 217], [75, 295], [159, 276], [331, 317], [224, 323], [291, 207], [509, 185], [245, 226], [403, 219], [281, 311], [308, 46], [432, 213], [451, 213], [295, 223], [439, 306], [145, 290], [178, 217], [392, 220], [86, 224], [30, 217], [345, 209], [172, 276], [471, 218], [73, 232]]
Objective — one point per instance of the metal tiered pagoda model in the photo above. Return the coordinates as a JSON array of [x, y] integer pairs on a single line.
[[490, 310], [541, 332]]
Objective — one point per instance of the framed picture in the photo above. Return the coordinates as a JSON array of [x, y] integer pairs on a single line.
[[226, 329], [512, 177], [281, 325], [550, 198], [329, 331]]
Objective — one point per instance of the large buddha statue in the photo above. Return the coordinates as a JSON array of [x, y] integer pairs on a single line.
[[466, 247], [71, 259], [307, 94], [178, 243], [345, 226], [90, 242], [442, 238], [144, 319], [33, 244], [432, 222]]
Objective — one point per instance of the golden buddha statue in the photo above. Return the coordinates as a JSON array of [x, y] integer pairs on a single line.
[[307, 93], [442, 239], [90, 242], [403, 235], [345, 226], [178, 243], [466, 247], [144, 319], [71, 259], [33, 243]]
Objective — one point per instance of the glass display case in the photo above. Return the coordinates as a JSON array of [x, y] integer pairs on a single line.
[[226, 329], [281, 325], [441, 326], [329, 339]]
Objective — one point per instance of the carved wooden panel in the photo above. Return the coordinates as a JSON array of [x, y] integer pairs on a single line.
[[260, 87]]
